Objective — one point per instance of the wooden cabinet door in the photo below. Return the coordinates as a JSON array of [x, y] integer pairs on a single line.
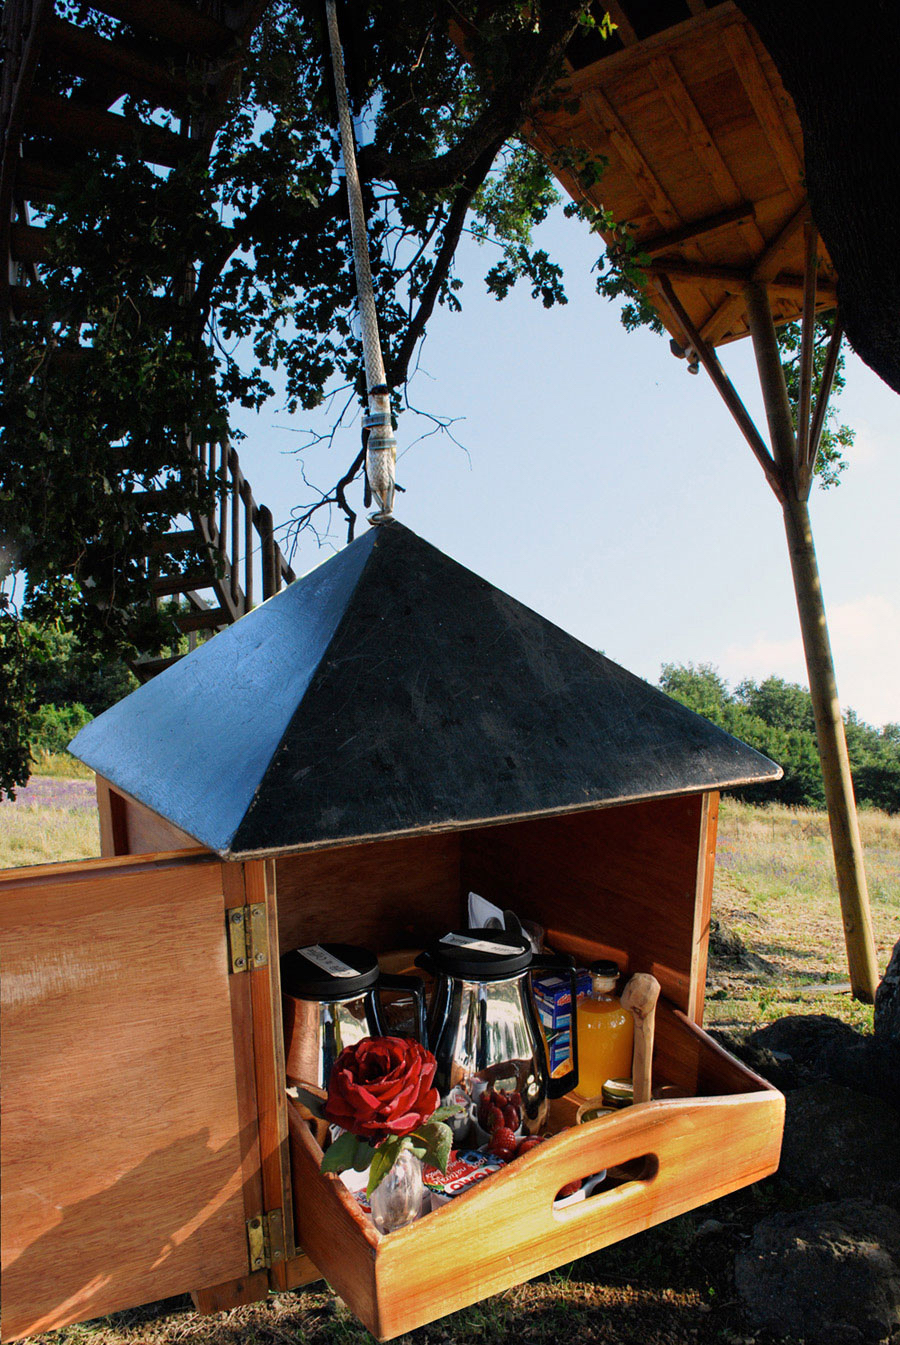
[[122, 1141]]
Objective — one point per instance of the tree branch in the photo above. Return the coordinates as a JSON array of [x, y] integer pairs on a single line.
[[399, 366], [532, 59]]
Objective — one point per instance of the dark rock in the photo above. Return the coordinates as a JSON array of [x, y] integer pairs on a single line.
[[782, 1073], [887, 1004], [840, 1143], [829, 1275], [865, 1064], [823, 1048], [727, 950], [802, 1036]]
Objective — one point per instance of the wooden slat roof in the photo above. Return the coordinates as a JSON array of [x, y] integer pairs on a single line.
[[704, 159]]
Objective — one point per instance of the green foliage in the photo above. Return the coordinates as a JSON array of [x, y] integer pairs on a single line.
[[15, 719], [50, 686], [203, 288], [836, 438], [348, 1152], [54, 726], [776, 718]]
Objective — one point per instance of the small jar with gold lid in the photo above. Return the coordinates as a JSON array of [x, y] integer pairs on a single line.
[[618, 1093]]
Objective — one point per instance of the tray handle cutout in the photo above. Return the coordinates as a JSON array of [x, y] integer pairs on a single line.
[[617, 1182]]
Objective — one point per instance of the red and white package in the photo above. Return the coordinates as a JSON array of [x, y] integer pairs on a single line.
[[465, 1168]]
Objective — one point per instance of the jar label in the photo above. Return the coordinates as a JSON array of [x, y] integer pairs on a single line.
[[316, 954], [478, 945]]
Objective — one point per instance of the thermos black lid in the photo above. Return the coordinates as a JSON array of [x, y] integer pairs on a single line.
[[328, 971], [481, 954]]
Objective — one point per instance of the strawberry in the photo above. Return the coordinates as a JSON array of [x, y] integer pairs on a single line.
[[527, 1144], [495, 1120], [511, 1117], [568, 1190], [503, 1143], [485, 1104]]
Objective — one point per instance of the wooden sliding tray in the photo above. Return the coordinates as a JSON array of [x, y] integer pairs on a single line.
[[670, 1156]]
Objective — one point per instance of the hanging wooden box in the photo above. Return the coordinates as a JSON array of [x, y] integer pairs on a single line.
[[145, 1119], [633, 882], [346, 763]]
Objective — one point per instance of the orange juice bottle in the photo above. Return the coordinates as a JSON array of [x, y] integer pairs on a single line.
[[605, 1032]]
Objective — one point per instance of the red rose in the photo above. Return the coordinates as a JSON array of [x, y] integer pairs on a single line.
[[382, 1086]]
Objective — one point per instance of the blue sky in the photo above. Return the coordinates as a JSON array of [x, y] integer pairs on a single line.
[[607, 488]]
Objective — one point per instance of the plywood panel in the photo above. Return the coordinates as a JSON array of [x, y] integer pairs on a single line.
[[384, 895], [121, 1143], [626, 877], [146, 831]]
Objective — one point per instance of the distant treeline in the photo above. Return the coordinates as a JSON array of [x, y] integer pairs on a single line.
[[776, 718]]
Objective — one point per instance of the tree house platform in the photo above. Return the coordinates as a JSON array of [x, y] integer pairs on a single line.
[[704, 161]]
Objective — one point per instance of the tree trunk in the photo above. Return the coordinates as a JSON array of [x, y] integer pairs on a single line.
[[839, 799]]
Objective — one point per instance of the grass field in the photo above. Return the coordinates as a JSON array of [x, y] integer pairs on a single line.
[[777, 949], [776, 891]]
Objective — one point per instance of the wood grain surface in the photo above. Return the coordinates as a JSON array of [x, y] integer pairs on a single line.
[[388, 894], [121, 1143], [632, 878], [703, 160]]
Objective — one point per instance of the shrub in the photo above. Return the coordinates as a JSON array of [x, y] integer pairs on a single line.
[[54, 726]]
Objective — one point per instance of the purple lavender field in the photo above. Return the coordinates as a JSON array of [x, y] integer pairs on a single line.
[[46, 791], [51, 819]]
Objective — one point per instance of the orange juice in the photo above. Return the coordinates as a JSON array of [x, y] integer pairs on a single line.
[[605, 1032]]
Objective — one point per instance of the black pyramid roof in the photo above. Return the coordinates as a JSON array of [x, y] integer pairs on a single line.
[[390, 691]]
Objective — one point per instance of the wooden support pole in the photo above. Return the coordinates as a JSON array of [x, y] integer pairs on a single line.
[[807, 346], [771, 379], [723, 386], [270, 584], [843, 820]]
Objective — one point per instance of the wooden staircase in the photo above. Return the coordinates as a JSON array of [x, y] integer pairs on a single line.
[[181, 59]]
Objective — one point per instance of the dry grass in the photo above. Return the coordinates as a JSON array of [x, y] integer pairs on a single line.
[[775, 888], [61, 766], [52, 819]]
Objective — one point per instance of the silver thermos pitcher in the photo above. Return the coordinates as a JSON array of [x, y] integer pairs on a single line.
[[484, 1031], [330, 996]]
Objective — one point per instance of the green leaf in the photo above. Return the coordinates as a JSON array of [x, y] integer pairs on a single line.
[[438, 1139], [444, 1114], [384, 1158], [365, 1152], [340, 1155], [311, 1102]]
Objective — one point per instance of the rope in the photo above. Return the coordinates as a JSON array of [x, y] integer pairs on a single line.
[[381, 446]]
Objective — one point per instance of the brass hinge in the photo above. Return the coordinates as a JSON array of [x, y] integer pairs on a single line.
[[248, 937], [265, 1239]]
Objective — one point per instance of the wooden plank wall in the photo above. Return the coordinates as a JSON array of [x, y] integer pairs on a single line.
[[635, 879], [129, 828], [122, 1133], [384, 895]]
